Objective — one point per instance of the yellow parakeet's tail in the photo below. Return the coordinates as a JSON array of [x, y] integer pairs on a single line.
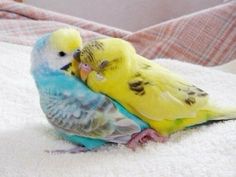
[[209, 113], [216, 113]]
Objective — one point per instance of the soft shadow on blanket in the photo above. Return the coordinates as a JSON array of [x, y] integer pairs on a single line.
[[22, 152]]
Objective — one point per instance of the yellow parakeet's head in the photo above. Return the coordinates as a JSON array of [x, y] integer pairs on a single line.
[[103, 58], [56, 49]]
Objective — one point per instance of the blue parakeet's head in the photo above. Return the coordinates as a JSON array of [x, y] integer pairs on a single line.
[[55, 50]]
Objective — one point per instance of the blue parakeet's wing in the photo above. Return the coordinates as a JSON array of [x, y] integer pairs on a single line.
[[74, 108]]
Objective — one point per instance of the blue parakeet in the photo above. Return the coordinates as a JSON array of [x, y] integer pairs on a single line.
[[80, 115]]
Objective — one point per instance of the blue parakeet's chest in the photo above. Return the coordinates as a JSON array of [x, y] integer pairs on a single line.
[[57, 100]]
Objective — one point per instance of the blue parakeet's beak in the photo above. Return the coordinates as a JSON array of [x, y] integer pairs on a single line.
[[84, 69], [76, 55]]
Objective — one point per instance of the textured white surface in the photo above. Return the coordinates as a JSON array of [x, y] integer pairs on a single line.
[[25, 134], [228, 67]]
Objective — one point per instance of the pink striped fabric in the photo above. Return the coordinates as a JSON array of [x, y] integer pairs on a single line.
[[207, 37]]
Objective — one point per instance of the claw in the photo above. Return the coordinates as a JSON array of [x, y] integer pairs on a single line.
[[145, 136]]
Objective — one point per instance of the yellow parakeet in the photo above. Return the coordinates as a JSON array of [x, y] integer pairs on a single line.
[[158, 96]]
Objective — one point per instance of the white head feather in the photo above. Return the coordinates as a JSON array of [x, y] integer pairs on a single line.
[[56, 49]]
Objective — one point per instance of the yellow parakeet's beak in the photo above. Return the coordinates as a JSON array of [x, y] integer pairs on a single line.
[[84, 71], [80, 68]]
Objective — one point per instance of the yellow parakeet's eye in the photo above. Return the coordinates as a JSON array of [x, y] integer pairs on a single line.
[[103, 64]]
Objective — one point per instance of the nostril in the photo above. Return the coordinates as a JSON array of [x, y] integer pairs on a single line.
[[76, 54], [84, 67]]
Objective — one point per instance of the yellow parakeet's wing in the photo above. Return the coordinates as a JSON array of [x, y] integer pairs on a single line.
[[164, 95]]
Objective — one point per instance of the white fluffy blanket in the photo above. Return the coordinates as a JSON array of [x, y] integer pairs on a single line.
[[208, 150]]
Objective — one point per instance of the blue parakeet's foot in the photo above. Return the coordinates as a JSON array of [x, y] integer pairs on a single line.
[[74, 150], [143, 137]]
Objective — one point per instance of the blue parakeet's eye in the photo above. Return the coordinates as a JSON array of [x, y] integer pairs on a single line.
[[61, 54]]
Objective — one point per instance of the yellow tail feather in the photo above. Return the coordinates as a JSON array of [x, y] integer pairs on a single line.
[[216, 113], [166, 127]]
